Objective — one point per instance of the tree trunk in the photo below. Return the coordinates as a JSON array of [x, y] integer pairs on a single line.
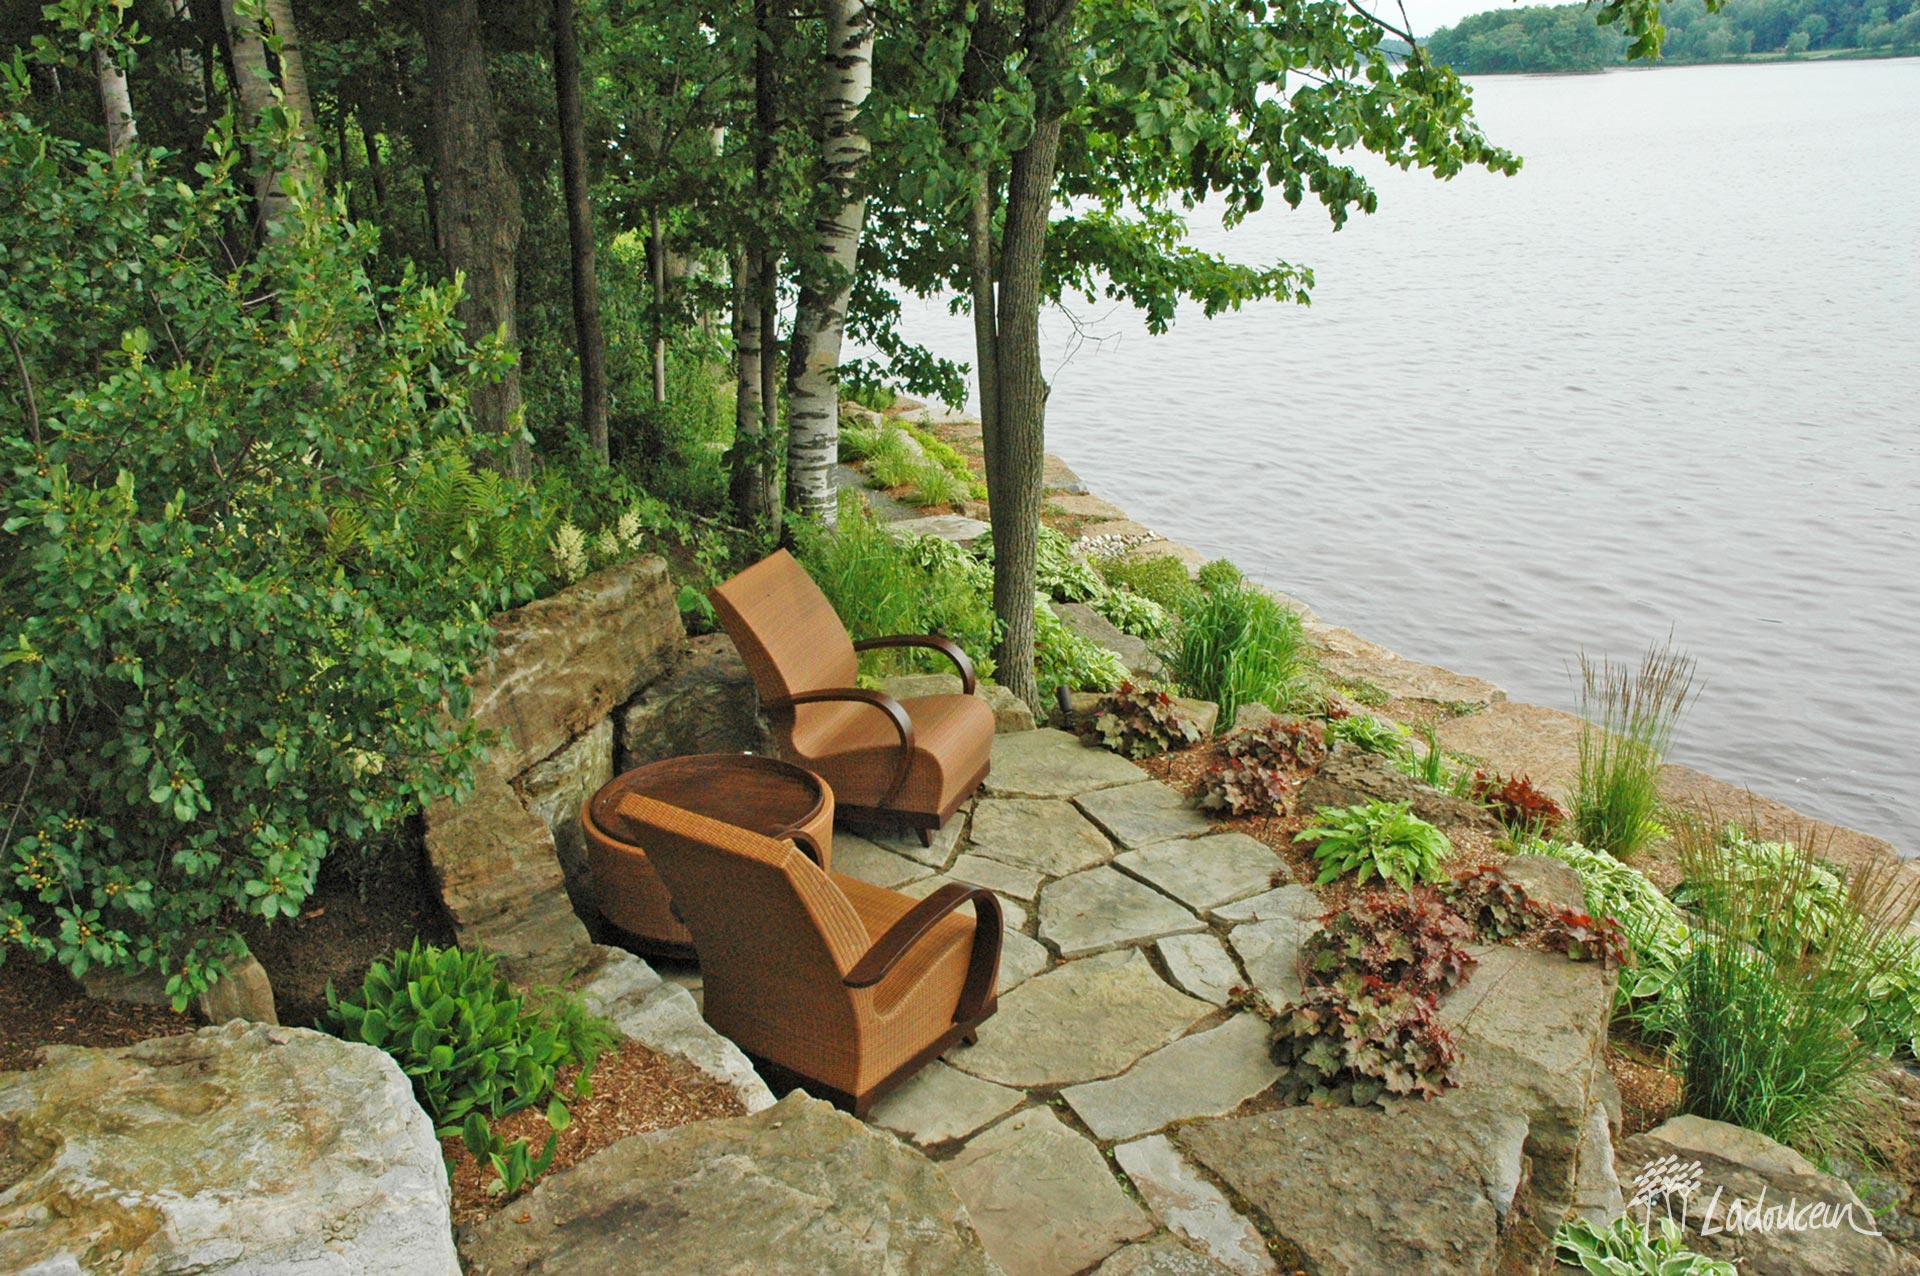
[[115, 102], [254, 80], [375, 169], [813, 365], [749, 474], [479, 216], [986, 322], [1019, 444], [589, 343], [657, 276]]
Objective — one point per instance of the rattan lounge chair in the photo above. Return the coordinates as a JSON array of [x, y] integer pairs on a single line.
[[907, 761], [841, 987]]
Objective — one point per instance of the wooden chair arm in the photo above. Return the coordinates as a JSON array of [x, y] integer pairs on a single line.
[[983, 965], [945, 646], [902, 724]]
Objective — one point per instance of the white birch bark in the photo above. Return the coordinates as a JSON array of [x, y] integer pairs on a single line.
[[115, 102], [813, 389]]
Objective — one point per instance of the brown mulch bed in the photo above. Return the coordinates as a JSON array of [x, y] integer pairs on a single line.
[[42, 1006], [1186, 771], [1649, 1090], [346, 926], [634, 1090]]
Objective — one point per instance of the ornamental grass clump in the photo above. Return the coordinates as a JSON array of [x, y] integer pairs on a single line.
[[1237, 645], [1376, 839], [1773, 1035], [1630, 715]]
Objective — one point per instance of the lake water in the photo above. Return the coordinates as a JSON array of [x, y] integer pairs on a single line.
[[1665, 379]]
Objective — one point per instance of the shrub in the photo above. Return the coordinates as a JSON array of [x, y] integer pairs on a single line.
[[1355, 1042], [1630, 715], [1626, 1248], [1143, 721], [1156, 577], [1218, 575], [1768, 1034], [455, 1027], [1238, 645], [1255, 778], [1520, 806], [1131, 613], [1370, 735], [233, 631], [882, 585], [1411, 942], [1376, 839]]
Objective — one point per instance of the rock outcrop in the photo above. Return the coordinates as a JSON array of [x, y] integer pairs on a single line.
[[238, 1149], [797, 1190], [705, 703], [1350, 776], [1761, 1204]]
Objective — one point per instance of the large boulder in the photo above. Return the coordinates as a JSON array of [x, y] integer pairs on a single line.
[[797, 1190], [237, 1149], [705, 703], [1757, 1202], [1351, 776]]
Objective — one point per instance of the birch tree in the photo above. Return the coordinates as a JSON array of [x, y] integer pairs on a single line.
[[256, 28], [813, 359]]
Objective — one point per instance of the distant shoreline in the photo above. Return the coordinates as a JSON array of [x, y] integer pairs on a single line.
[[1740, 59]]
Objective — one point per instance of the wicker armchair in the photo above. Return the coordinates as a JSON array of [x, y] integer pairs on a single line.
[[907, 761], [842, 987]]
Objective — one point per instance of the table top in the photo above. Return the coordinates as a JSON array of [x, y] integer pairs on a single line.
[[746, 790]]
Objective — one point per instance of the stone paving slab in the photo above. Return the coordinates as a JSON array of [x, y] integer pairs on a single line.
[[1200, 966], [1298, 902], [1042, 1198], [1138, 815], [1205, 872], [1103, 908], [906, 842], [1047, 835], [1085, 1020], [1193, 1208], [957, 528], [1206, 1074], [1021, 958], [1008, 880], [1012, 909], [1162, 1257], [1270, 951], [857, 857], [939, 1104], [1054, 764]]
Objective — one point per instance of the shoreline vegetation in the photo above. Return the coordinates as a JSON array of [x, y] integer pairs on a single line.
[[1559, 39]]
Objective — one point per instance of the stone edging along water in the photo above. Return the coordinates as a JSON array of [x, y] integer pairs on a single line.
[[1510, 736]]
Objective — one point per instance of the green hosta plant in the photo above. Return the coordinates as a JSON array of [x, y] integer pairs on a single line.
[[1376, 839], [1134, 614], [1063, 658], [455, 1026], [1655, 929], [1143, 721], [1813, 896], [1627, 1248], [1358, 1042]]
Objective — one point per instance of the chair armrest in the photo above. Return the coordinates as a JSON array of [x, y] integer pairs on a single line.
[[983, 965], [945, 646], [902, 724]]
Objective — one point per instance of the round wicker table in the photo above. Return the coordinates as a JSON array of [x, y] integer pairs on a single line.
[[765, 795]]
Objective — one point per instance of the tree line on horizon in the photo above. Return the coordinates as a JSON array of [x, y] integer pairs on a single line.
[[1565, 38]]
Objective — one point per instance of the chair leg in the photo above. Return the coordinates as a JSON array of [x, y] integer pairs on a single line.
[[926, 836], [971, 1038]]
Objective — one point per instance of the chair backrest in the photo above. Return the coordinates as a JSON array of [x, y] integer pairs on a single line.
[[768, 922], [788, 633]]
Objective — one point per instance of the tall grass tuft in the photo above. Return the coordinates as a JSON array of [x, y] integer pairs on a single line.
[[1630, 718], [1237, 645], [1770, 1030]]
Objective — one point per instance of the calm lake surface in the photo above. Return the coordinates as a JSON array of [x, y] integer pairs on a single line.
[[1666, 379]]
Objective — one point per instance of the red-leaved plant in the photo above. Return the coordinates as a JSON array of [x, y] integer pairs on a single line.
[[1359, 1042], [1410, 942], [1256, 776], [1518, 803], [1143, 721]]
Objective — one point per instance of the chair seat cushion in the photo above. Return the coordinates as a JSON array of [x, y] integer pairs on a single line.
[[938, 961], [855, 749]]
